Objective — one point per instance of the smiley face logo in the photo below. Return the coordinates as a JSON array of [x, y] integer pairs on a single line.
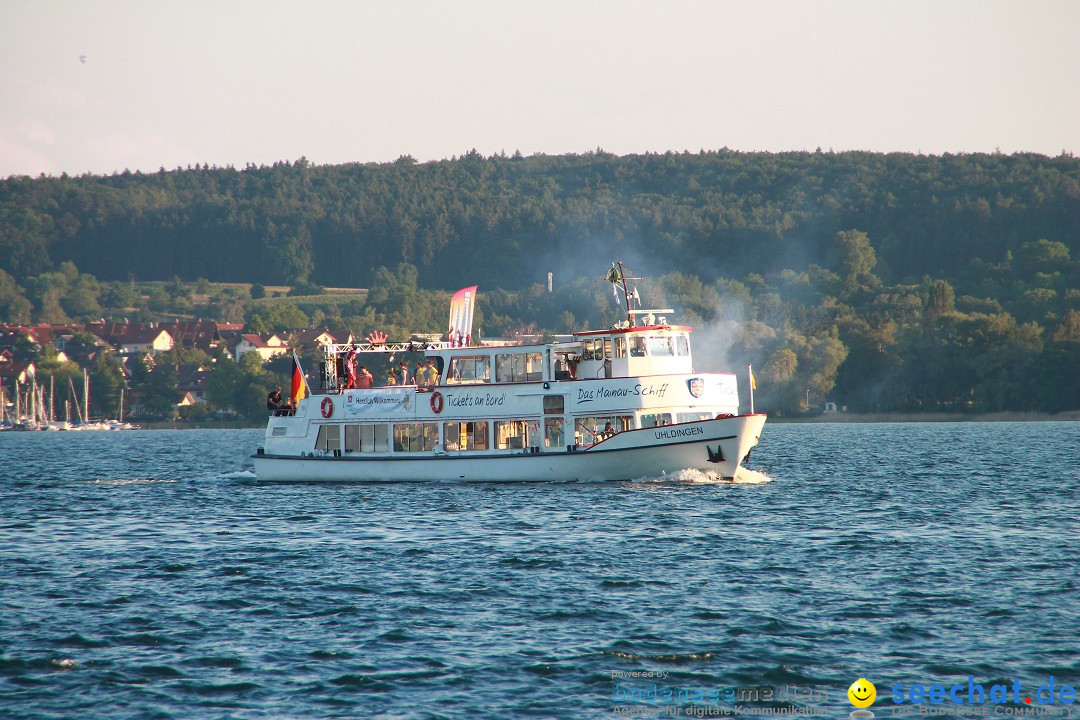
[[862, 693]]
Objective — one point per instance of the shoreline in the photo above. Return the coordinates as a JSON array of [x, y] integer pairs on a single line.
[[201, 425], [1068, 416]]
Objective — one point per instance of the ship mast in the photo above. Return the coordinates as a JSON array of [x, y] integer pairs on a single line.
[[616, 275]]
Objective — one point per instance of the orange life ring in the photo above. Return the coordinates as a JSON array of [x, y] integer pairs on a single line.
[[327, 407], [436, 402]]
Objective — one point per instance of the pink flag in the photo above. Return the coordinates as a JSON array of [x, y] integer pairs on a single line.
[[461, 313]]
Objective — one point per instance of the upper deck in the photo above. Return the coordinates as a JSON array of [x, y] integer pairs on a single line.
[[623, 351]]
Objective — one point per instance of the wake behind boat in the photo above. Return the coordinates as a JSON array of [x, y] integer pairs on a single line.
[[613, 404]]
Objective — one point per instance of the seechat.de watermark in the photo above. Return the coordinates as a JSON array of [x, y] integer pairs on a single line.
[[964, 699], [973, 693]]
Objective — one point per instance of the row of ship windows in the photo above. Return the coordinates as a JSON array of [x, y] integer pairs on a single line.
[[528, 367], [640, 346], [480, 435], [513, 367]]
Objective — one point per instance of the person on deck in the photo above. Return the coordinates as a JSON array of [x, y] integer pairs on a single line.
[[402, 374], [431, 375], [365, 379], [273, 401], [277, 406], [350, 369]]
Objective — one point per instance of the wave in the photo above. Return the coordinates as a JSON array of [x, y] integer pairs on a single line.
[[132, 481], [243, 475], [746, 476], [691, 476]]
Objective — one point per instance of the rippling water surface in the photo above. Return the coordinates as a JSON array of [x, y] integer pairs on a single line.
[[146, 575]]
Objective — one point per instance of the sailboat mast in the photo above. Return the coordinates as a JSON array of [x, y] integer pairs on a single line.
[[86, 394], [75, 399]]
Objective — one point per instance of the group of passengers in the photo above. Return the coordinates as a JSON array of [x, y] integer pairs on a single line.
[[277, 406], [424, 375]]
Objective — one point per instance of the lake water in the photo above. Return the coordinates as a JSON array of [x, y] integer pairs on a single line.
[[146, 575]]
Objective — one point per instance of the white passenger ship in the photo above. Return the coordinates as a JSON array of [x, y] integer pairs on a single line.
[[614, 404]]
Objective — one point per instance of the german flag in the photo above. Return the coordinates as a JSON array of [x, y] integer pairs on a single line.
[[299, 387]]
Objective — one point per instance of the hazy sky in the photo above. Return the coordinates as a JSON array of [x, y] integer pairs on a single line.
[[102, 86]]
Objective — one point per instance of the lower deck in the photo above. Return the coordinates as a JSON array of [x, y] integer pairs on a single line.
[[481, 436], [358, 452]]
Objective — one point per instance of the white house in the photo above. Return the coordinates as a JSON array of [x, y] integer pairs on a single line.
[[151, 340], [267, 348]]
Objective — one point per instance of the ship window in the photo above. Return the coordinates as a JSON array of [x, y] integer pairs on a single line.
[[607, 349], [352, 438], [329, 438], [637, 346], [620, 347], [589, 430], [465, 436], [553, 404], [553, 432], [693, 416], [660, 346], [380, 436], [514, 434], [280, 431], [504, 368], [469, 369], [368, 437], [415, 437], [534, 367], [587, 350], [655, 420], [682, 344], [519, 367]]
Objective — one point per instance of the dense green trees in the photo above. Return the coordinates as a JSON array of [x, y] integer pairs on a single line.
[[242, 386], [884, 282], [733, 213]]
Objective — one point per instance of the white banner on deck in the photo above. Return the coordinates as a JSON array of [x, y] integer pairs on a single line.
[[462, 305], [379, 401]]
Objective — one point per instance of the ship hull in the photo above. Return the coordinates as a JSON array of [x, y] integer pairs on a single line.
[[717, 446]]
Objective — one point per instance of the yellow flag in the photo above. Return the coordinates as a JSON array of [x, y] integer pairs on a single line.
[[753, 380]]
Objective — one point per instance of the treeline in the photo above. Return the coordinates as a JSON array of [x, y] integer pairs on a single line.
[[882, 282], [511, 219]]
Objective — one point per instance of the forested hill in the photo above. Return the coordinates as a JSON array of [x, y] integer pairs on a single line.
[[881, 282], [505, 221]]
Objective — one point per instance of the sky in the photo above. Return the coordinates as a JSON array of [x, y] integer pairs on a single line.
[[108, 86]]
